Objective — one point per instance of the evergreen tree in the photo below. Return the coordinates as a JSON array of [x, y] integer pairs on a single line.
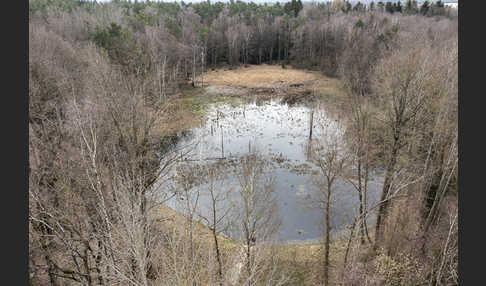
[[381, 6], [411, 7], [293, 8], [436, 8], [398, 7], [372, 6], [297, 7], [389, 7], [358, 7], [424, 8], [347, 7]]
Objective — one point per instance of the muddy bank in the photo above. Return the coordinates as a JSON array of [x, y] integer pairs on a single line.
[[263, 82], [293, 93]]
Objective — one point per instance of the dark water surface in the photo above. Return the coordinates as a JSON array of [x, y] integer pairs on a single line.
[[280, 134]]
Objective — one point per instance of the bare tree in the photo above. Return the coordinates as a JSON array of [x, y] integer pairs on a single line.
[[246, 34], [97, 112], [216, 217], [332, 159], [401, 86], [257, 213], [362, 155], [448, 257]]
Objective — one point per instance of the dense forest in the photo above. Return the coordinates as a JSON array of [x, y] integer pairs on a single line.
[[105, 82]]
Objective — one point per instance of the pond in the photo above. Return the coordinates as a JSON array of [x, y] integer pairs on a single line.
[[280, 134]]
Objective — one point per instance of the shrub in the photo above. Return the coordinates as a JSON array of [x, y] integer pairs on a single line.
[[402, 269]]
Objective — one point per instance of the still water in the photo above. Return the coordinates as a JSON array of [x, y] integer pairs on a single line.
[[280, 134]]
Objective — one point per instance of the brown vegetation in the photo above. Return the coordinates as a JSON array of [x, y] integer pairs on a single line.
[[267, 81], [109, 99], [260, 76]]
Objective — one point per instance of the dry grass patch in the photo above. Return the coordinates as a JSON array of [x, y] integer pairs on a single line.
[[259, 76], [294, 85], [170, 218]]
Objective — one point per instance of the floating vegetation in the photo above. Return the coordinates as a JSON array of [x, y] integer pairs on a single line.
[[279, 134]]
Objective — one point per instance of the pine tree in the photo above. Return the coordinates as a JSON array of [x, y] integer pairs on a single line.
[[347, 7], [372, 6], [411, 7], [297, 7], [381, 6], [358, 7], [424, 8], [398, 7], [389, 7], [293, 8]]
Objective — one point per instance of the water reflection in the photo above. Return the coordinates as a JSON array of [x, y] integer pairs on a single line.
[[280, 133]]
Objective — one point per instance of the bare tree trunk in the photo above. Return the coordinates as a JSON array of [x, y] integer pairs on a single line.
[[260, 55], [230, 58], [89, 279], [193, 66], [328, 235], [246, 52], [248, 260], [361, 205], [222, 143], [218, 253], [288, 43], [271, 55], [214, 224], [349, 243], [50, 268], [202, 68], [163, 77], [311, 124], [158, 81], [185, 71], [365, 201], [443, 185], [382, 212], [446, 246], [98, 264]]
